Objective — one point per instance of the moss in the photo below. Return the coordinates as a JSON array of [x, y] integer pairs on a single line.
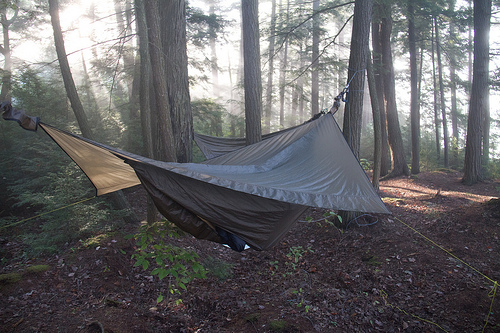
[[278, 325], [10, 278], [36, 269]]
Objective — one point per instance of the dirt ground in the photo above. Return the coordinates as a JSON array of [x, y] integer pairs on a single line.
[[378, 276]]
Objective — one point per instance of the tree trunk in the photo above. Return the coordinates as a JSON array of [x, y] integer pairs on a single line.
[[394, 132], [453, 91], [315, 61], [284, 61], [213, 55], [145, 95], [353, 110], [118, 199], [441, 94], [5, 93], [252, 72], [270, 61], [479, 93], [414, 104], [173, 34], [435, 93], [163, 139], [385, 163], [377, 127]]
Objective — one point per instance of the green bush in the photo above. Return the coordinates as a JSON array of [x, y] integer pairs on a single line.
[[157, 255]]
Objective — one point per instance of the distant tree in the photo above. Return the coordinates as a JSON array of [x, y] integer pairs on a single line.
[[252, 73], [479, 94], [399, 166], [283, 68], [441, 95], [414, 103], [270, 75], [377, 126], [118, 198], [5, 93], [453, 90], [315, 59]]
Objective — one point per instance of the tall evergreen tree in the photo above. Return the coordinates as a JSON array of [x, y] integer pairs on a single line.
[[479, 93], [393, 129], [414, 103], [353, 110], [5, 93], [252, 73]]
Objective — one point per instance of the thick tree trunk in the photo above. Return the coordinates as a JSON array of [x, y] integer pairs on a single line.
[[163, 139], [394, 131], [414, 105], [479, 93], [173, 34], [353, 111], [252, 72], [385, 163], [118, 199]]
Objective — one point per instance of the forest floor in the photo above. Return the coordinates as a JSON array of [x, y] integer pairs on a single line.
[[378, 276]]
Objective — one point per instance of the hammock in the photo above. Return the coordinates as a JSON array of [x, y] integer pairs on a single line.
[[248, 194]]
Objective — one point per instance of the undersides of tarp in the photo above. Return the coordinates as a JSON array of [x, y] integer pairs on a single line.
[[255, 192]]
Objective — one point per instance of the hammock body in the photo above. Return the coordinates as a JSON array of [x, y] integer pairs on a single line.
[[255, 192]]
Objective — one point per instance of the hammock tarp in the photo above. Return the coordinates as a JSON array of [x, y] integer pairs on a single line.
[[255, 193]]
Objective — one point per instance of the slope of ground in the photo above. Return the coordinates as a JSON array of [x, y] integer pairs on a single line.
[[378, 276]]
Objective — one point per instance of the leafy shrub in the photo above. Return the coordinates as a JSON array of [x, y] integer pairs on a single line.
[[158, 256]]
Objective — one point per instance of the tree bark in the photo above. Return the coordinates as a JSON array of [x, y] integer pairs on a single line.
[[252, 72], [353, 110], [479, 93], [213, 55], [173, 34], [284, 61], [435, 94], [163, 139], [385, 163], [394, 131], [145, 96], [453, 90], [315, 61], [270, 75], [118, 199], [377, 127], [5, 93], [441, 95], [414, 104]]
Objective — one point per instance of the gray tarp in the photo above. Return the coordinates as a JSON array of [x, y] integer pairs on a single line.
[[256, 192]]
